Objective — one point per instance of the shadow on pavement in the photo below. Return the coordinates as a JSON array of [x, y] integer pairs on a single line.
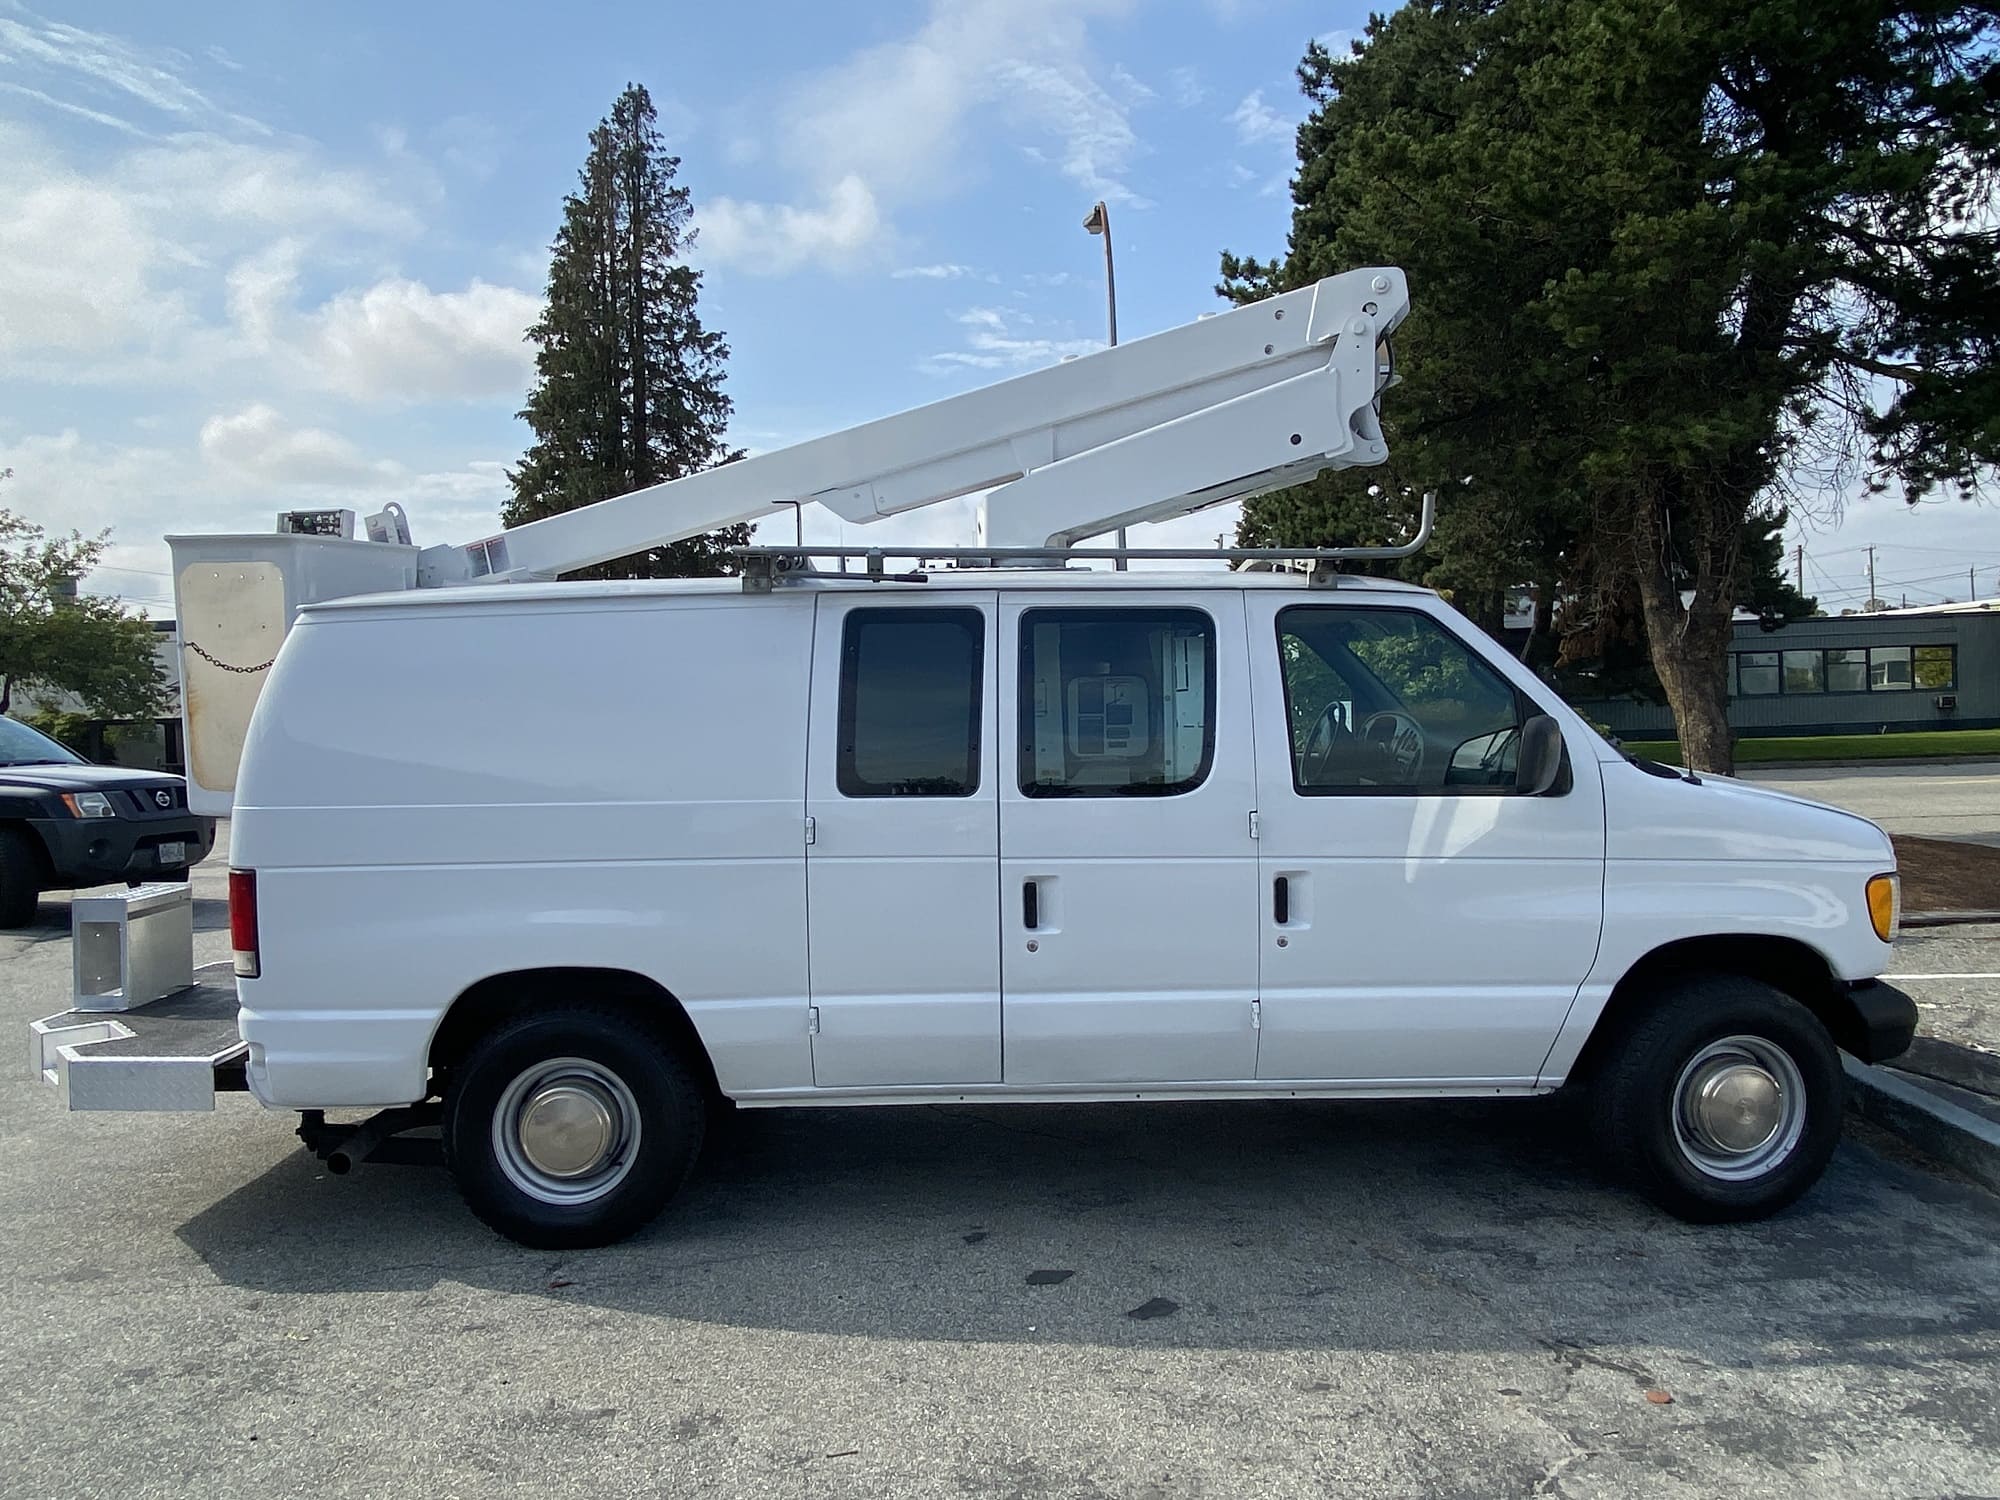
[[1354, 1225]]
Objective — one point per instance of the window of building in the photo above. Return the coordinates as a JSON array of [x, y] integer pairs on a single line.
[[1935, 668], [1757, 673], [1804, 672], [1389, 700], [909, 703], [1846, 671], [1116, 702], [1888, 668]]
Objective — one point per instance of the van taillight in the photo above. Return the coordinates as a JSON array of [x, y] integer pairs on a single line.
[[243, 921]]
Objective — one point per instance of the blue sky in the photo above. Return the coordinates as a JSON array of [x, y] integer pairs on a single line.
[[255, 257]]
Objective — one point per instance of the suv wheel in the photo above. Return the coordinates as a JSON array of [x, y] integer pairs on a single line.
[[1723, 1102], [571, 1128], [20, 879]]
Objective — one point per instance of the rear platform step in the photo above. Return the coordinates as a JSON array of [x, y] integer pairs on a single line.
[[174, 1054]]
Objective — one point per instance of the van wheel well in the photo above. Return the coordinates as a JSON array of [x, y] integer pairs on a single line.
[[1783, 963], [501, 997]]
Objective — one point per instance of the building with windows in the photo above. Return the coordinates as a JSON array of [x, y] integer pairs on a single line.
[[1935, 668]]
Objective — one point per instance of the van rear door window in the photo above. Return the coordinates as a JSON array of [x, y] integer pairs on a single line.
[[909, 702]]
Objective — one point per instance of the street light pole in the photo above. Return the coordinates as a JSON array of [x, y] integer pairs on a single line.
[[1099, 222]]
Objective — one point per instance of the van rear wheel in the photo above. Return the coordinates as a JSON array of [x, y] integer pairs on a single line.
[[1723, 1102], [571, 1128]]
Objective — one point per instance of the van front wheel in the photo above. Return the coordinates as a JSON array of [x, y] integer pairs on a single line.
[[1723, 1102], [571, 1128]]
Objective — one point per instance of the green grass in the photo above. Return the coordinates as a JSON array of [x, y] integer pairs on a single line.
[[1836, 747]]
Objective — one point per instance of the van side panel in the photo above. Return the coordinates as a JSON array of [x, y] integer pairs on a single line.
[[434, 796]]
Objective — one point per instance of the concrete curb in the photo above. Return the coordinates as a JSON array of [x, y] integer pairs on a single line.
[[1947, 918], [1936, 1126]]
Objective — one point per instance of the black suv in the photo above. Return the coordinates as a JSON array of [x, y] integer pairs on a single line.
[[66, 823]]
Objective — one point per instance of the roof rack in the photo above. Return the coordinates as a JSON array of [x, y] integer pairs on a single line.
[[764, 567]]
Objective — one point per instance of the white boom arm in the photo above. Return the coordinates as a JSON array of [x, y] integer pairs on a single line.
[[1231, 406]]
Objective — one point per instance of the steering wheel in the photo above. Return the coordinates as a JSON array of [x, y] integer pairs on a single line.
[[1328, 730], [1402, 740]]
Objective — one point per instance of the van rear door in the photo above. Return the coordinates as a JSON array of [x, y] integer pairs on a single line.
[[902, 907]]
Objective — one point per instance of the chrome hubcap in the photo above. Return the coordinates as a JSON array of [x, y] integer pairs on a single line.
[[1739, 1108], [566, 1131], [567, 1128]]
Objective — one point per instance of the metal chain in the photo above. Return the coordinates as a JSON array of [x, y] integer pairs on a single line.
[[225, 666]]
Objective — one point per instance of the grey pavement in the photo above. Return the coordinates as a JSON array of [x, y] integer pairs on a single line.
[[1173, 1300], [1953, 973], [1950, 800]]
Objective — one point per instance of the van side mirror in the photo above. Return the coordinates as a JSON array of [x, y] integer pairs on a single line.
[[1541, 760]]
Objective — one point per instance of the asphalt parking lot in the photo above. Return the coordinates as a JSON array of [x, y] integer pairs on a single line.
[[1145, 1301]]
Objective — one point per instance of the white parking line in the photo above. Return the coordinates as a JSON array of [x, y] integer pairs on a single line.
[[1941, 976]]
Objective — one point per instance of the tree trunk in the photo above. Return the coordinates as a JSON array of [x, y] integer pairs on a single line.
[[6, 693], [1689, 644]]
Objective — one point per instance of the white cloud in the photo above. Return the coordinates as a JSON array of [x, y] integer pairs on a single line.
[[400, 339], [257, 444], [1004, 339], [107, 68], [949, 272], [1185, 87], [891, 123], [774, 238], [1256, 121], [75, 263]]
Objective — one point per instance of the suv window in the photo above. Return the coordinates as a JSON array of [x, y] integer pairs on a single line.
[[909, 702], [1388, 700], [22, 746], [1116, 702]]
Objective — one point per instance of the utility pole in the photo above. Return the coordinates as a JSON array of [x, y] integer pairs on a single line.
[[1871, 577], [1799, 565], [1971, 585], [1099, 222]]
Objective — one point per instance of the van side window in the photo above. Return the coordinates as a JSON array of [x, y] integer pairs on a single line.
[[1116, 702], [909, 702], [1388, 700]]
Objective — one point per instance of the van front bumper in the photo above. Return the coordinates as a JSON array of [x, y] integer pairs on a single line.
[[1873, 1020]]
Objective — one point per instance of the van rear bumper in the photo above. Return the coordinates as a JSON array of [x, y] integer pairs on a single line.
[[349, 1059], [1873, 1020]]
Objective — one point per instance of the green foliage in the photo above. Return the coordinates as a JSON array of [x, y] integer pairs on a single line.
[[628, 389], [1894, 745], [54, 640], [1672, 265]]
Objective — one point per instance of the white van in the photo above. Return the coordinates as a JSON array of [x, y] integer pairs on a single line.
[[611, 854]]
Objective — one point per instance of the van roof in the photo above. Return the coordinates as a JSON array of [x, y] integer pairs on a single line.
[[528, 595]]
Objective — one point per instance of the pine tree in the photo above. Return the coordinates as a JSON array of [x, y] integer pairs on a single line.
[[1674, 266], [628, 389]]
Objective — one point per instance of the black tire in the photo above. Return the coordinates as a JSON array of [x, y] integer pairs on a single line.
[[20, 879], [1653, 1139], [629, 1068]]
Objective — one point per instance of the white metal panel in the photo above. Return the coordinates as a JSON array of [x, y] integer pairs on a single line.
[[904, 918], [1722, 858], [1143, 965], [1431, 937], [640, 809]]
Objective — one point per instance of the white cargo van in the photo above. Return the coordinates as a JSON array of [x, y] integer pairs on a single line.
[[559, 867], [610, 852]]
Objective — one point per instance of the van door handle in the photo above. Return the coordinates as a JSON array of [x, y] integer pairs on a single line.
[[1281, 900], [1031, 905]]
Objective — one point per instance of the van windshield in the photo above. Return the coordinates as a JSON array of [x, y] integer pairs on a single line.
[[22, 746]]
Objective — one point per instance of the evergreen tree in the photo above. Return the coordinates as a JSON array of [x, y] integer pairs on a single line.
[[628, 389], [1674, 266]]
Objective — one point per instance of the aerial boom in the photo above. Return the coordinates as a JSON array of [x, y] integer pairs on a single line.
[[1224, 408]]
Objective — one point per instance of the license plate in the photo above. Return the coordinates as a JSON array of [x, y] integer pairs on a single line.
[[173, 854]]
